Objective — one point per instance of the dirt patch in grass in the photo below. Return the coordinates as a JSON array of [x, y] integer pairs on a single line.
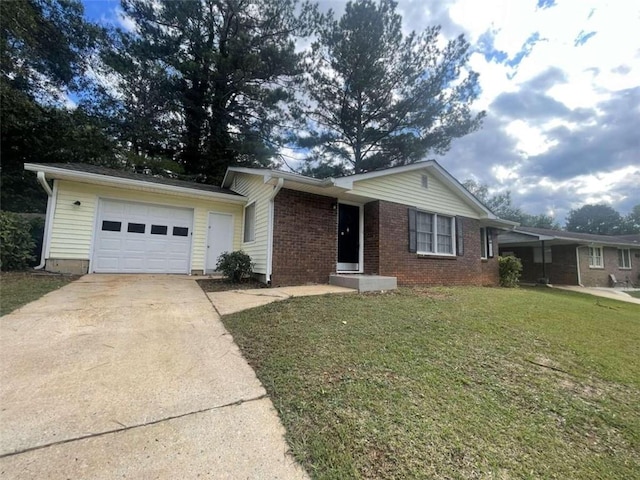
[[19, 288], [222, 285]]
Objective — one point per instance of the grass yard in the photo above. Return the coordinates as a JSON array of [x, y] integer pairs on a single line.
[[453, 382], [19, 288], [635, 293]]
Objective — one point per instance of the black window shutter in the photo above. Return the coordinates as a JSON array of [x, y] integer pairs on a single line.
[[413, 238], [459, 237]]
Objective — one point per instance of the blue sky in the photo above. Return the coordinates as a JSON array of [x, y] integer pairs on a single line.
[[560, 83]]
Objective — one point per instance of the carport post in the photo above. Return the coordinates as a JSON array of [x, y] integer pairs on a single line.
[[544, 268]]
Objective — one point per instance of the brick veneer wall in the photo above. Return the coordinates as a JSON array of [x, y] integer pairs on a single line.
[[372, 238], [386, 226], [599, 277], [563, 266], [305, 238]]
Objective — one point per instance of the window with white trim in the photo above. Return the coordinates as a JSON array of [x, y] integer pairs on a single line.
[[624, 258], [596, 260], [250, 223], [434, 234], [486, 243]]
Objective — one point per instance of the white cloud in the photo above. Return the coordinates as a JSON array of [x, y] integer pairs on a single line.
[[125, 21]]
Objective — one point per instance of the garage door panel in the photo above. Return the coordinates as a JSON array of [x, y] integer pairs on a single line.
[[154, 246], [133, 263], [174, 264], [160, 264], [109, 264], [137, 246], [110, 244], [145, 241], [113, 209]]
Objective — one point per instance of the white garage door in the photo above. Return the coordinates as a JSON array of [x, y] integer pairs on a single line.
[[142, 238]]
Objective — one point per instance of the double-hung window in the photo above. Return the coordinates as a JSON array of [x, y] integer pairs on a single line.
[[624, 258], [486, 243], [434, 234], [596, 260]]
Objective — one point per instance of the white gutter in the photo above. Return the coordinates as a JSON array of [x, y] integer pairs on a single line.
[[43, 181], [272, 196], [119, 182], [47, 220]]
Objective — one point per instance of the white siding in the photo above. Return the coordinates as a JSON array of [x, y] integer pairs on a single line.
[[406, 188], [254, 188], [73, 225]]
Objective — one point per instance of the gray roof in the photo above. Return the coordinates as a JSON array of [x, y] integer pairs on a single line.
[[624, 240], [111, 172]]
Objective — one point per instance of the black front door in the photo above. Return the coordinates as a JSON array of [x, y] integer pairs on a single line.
[[348, 237]]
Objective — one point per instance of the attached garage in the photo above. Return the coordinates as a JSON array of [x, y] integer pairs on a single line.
[[101, 220], [135, 237]]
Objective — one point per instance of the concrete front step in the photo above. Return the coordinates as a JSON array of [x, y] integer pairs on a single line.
[[364, 283]]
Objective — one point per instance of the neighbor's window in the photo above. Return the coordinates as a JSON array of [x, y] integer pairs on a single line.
[[250, 223], [434, 233], [624, 258], [595, 257]]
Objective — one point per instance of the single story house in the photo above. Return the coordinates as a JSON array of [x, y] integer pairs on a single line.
[[416, 223], [570, 258]]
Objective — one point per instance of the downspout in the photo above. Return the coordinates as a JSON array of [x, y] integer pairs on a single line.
[[578, 265], [272, 196], [43, 182]]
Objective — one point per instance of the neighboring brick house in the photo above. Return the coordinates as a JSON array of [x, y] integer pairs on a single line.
[[415, 222], [569, 258]]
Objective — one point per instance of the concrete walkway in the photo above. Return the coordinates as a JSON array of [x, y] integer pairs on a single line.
[[237, 300], [132, 376], [611, 293]]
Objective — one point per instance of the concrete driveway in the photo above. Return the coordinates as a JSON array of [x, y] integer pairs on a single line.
[[132, 376]]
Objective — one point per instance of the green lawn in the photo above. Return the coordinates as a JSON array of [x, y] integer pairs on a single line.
[[635, 293], [20, 288], [453, 382]]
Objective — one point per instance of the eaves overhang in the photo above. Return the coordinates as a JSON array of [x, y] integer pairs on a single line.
[[111, 181]]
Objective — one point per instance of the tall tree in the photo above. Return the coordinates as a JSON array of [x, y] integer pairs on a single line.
[[227, 65], [139, 101], [378, 98], [599, 219], [502, 206], [45, 46], [632, 221]]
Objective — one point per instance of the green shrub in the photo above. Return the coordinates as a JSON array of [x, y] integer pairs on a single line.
[[235, 266], [36, 229], [510, 271], [16, 243]]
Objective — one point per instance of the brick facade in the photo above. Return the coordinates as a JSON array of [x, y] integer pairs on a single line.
[[305, 245], [387, 252], [563, 269], [372, 238], [599, 277], [305, 238]]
